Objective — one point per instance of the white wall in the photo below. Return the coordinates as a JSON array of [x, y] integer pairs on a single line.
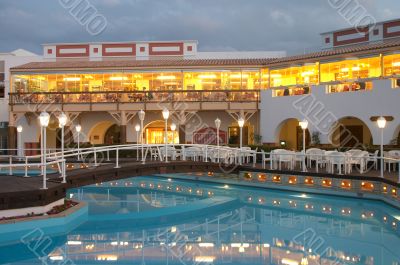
[[11, 61], [328, 108]]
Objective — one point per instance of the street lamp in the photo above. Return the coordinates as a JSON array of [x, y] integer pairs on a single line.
[[304, 124], [141, 118], [137, 129], [381, 124], [78, 129], [62, 121], [217, 125], [165, 114], [241, 124], [44, 119], [20, 151], [173, 128]]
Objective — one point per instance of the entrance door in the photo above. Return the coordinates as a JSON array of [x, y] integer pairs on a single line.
[[234, 135], [353, 135]]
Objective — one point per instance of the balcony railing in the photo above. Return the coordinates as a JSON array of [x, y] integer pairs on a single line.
[[135, 97]]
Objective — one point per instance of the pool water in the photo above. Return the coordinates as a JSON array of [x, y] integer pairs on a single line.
[[155, 220]]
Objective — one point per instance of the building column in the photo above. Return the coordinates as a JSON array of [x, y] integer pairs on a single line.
[[12, 133]]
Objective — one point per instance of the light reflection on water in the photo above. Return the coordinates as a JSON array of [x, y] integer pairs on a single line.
[[156, 221]]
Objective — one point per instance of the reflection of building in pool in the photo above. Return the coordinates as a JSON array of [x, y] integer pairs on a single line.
[[264, 230]]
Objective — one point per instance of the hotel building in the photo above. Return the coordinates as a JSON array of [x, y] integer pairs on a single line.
[[102, 86]]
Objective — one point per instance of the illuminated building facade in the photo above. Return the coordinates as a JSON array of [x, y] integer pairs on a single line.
[[102, 86]]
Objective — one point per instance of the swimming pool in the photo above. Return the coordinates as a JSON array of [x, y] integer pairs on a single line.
[[153, 220]]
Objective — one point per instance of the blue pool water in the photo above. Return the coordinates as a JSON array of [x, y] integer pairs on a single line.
[[155, 220]]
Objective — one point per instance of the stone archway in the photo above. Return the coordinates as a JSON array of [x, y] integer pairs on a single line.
[[351, 132], [289, 135]]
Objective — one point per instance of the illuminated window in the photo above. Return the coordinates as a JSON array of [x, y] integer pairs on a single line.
[[396, 83], [306, 74], [391, 65], [350, 87], [291, 91], [350, 69]]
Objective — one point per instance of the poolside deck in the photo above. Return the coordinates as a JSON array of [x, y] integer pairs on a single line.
[[20, 192]]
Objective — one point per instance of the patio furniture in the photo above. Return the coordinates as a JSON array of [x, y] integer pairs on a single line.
[[390, 158], [337, 159], [356, 157], [373, 157]]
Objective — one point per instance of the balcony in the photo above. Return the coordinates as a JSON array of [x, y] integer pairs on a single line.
[[135, 100]]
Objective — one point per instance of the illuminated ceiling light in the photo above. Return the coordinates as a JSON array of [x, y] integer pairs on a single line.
[[396, 64], [207, 76], [118, 78], [166, 77], [307, 73], [88, 77], [72, 79], [208, 82], [276, 75], [355, 68], [344, 69], [239, 76]]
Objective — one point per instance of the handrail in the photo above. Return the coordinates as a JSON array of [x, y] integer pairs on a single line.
[[223, 154]]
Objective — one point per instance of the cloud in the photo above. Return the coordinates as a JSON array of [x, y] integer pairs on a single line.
[[290, 25]]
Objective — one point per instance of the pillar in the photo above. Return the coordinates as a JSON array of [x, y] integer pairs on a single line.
[[124, 121], [12, 133]]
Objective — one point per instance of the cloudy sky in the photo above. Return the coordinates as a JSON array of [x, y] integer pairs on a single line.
[[291, 25]]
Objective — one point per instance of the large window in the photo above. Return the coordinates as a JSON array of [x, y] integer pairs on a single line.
[[391, 65], [350, 87], [351, 69], [306, 74]]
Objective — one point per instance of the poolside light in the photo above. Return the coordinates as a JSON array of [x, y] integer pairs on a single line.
[[304, 124], [218, 125], [78, 129], [241, 124], [141, 118], [381, 121], [137, 129], [62, 121], [19, 142], [173, 128], [165, 114], [44, 119]]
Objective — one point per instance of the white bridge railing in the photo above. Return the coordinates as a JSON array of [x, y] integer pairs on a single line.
[[195, 152]]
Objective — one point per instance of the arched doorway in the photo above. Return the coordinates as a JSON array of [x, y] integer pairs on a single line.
[[289, 135], [350, 132], [154, 133], [113, 135]]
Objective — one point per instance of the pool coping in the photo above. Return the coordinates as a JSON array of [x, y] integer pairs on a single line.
[[81, 177]]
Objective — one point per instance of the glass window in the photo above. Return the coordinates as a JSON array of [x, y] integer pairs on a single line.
[[391, 65], [351, 69], [350, 87], [167, 81], [291, 91], [295, 75], [204, 80]]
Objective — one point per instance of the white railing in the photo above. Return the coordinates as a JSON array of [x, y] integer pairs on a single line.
[[196, 152]]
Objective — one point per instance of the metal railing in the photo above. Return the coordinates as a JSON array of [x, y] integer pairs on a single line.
[[134, 96], [195, 152]]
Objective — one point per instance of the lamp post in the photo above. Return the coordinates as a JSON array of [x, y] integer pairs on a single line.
[[241, 124], [44, 119], [304, 124], [62, 121], [217, 125], [19, 131], [137, 129], [381, 124], [141, 118], [78, 129], [173, 128], [165, 114]]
